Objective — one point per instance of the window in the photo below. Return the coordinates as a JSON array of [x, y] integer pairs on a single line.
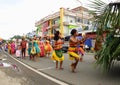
[[71, 21], [86, 21], [79, 20]]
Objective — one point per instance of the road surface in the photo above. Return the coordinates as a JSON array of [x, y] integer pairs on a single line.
[[20, 74]]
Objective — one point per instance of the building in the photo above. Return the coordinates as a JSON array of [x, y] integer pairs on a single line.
[[65, 20]]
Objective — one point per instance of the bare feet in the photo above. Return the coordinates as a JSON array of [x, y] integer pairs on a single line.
[[61, 68], [56, 68], [74, 71]]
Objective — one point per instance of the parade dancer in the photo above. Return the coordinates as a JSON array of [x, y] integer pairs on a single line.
[[35, 43], [57, 53], [48, 48], [9, 47], [13, 47], [42, 47], [30, 44], [73, 50]]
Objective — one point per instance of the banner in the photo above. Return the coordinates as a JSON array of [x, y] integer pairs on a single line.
[[72, 26]]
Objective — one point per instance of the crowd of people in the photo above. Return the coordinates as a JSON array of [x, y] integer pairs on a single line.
[[37, 47], [33, 47]]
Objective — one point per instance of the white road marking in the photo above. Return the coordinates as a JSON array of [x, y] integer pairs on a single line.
[[46, 68], [3, 59], [40, 73]]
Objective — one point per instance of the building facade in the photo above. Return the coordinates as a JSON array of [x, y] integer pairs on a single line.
[[65, 20]]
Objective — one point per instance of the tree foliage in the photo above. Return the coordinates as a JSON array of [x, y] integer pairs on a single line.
[[107, 18]]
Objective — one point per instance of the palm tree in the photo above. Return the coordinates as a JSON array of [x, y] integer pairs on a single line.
[[107, 18]]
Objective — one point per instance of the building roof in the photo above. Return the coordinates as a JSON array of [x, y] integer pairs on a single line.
[[79, 8]]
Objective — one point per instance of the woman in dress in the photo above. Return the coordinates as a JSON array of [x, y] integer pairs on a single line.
[[30, 43], [73, 50], [48, 48], [35, 43], [57, 53], [9, 47], [42, 47], [12, 47]]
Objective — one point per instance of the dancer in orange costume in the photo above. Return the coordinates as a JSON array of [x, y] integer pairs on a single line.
[[48, 48]]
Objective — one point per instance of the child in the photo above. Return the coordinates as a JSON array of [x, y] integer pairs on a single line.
[[18, 51]]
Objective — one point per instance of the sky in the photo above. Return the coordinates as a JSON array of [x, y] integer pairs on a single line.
[[18, 17]]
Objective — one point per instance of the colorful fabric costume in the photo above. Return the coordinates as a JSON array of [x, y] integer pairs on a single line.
[[42, 48], [36, 46], [80, 49], [48, 47], [9, 48], [73, 51], [33, 50], [12, 48], [57, 54], [18, 53], [29, 47]]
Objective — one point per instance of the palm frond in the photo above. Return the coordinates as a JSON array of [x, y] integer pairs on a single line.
[[107, 18]]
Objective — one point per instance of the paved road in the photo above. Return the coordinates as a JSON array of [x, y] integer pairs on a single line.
[[86, 74], [20, 72]]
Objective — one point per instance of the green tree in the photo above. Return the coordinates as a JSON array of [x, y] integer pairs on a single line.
[[107, 18]]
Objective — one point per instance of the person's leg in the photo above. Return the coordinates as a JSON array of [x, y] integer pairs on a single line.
[[30, 57], [33, 56], [48, 54], [61, 68], [37, 57], [76, 62], [56, 64], [72, 67], [22, 52]]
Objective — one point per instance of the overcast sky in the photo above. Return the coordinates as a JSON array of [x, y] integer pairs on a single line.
[[18, 17]]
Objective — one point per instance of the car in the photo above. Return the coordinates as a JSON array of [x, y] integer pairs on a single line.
[[65, 47], [66, 44]]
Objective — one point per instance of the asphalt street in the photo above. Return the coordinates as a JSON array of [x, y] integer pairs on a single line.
[[25, 75], [86, 73]]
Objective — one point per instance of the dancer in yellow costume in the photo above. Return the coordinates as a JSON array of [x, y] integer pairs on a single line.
[[57, 53], [72, 50]]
